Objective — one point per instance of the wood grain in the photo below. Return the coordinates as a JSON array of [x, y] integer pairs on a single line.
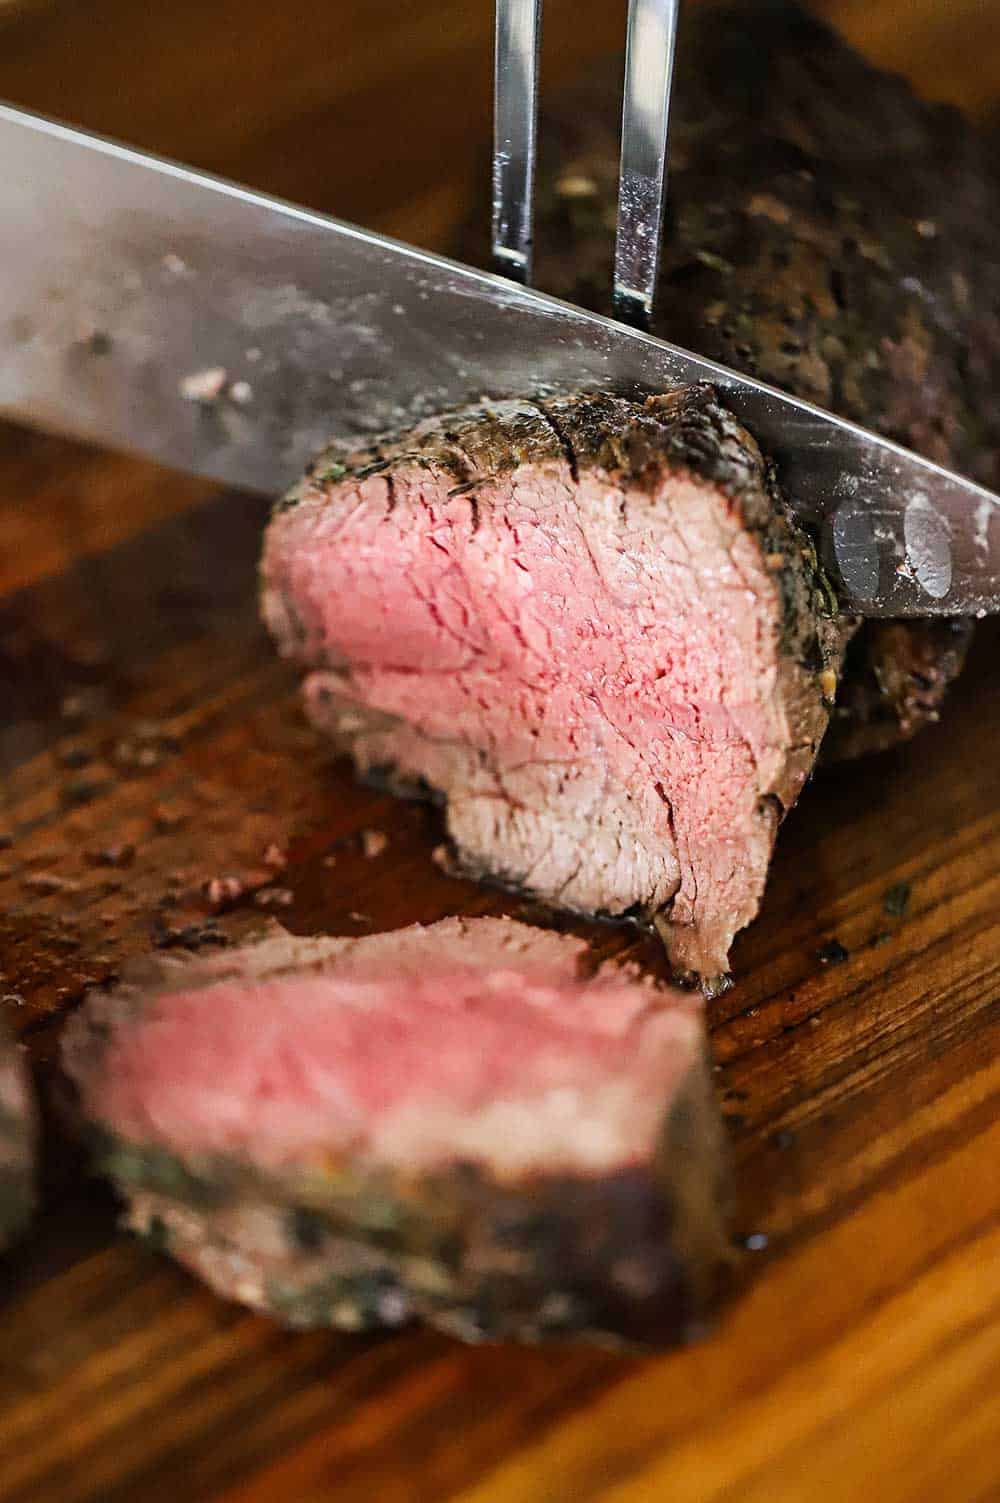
[[143, 706]]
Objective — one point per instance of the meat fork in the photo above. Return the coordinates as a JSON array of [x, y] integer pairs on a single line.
[[649, 62]]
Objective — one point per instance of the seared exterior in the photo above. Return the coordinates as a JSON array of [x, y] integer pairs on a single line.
[[18, 1129], [621, 1258], [591, 626], [827, 232], [630, 1249]]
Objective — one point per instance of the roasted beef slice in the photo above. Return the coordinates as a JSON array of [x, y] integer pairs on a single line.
[[17, 1142], [455, 1123], [591, 627]]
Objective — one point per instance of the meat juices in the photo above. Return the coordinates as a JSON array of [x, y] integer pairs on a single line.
[[18, 1131], [452, 1123], [590, 626]]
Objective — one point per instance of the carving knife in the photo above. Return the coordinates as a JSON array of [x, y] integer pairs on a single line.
[[155, 309]]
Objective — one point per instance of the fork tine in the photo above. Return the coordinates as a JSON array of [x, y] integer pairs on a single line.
[[515, 112], [649, 66]]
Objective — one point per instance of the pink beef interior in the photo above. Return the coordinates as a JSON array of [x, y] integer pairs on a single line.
[[444, 1052], [589, 674]]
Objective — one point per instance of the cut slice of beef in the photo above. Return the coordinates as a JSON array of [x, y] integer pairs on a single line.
[[828, 232], [18, 1130], [458, 1123], [591, 627]]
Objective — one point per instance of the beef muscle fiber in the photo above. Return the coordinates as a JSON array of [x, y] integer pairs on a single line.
[[827, 232], [590, 625], [17, 1142], [452, 1122]]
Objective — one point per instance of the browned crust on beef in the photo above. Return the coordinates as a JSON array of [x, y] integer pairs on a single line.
[[896, 676], [18, 1129], [639, 1256], [827, 232]]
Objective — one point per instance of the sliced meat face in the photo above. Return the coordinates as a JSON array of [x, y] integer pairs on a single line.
[[18, 1131], [454, 1122], [591, 627]]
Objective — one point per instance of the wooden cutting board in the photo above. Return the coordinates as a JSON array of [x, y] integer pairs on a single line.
[[150, 741]]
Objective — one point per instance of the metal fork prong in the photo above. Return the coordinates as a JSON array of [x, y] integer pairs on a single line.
[[642, 182], [515, 114]]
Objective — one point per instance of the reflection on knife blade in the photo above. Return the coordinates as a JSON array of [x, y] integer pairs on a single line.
[[125, 276]]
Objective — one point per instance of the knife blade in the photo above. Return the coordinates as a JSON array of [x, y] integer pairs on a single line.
[[159, 310]]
